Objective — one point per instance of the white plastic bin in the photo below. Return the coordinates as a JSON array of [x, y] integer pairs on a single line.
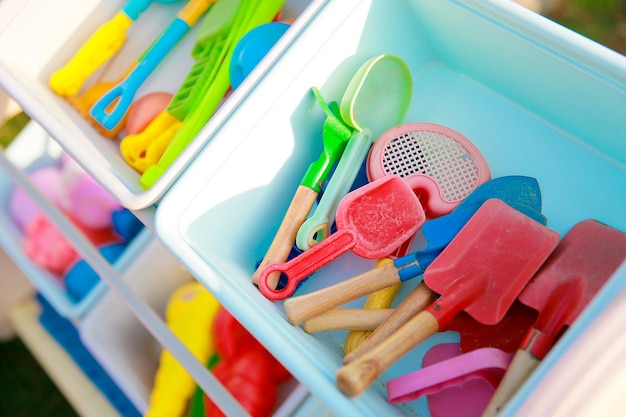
[[40, 37], [117, 339], [123, 346], [33, 149], [536, 98]]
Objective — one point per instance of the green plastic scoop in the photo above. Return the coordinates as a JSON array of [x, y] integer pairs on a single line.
[[212, 85], [385, 80], [362, 104]]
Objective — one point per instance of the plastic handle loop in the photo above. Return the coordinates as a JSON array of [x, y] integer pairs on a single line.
[[306, 263]]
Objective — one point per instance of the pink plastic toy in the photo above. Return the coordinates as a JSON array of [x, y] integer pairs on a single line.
[[87, 202], [456, 384], [48, 180], [81, 198], [46, 246]]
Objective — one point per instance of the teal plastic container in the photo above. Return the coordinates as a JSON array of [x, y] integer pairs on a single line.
[[534, 97]]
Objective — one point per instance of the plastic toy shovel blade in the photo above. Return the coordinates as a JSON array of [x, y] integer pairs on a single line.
[[582, 263], [372, 221], [481, 271], [485, 267]]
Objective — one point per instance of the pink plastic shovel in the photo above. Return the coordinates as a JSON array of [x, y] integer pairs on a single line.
[[372, 221]]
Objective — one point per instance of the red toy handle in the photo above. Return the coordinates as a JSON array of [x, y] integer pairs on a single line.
[[306, 263]]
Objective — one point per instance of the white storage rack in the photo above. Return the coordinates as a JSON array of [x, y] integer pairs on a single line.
[[144, 307], [25, 81]]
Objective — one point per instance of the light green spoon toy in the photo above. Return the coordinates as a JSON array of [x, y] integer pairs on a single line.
[[376, 99]]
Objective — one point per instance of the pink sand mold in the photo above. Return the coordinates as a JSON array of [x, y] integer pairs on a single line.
[[456, 384]]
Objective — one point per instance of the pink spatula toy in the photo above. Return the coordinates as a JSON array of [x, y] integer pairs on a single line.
[[372, 221]]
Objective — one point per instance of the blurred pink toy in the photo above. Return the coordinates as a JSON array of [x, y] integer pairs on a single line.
[[48, 180], [80, 197], [47, 247], [87, 202], [50, 249]]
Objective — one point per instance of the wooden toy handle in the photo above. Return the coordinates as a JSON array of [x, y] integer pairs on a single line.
[[299, 208], [420, 298], [306, 306], [377, 300], [523, 364], [352, 379], [347, 319]]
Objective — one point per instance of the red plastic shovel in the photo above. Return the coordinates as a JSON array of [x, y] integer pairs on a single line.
[[582, 263], [372, 221], [520, 192], [481, 272]]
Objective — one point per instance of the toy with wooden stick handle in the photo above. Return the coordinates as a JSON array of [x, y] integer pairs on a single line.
[[334, 137], [376, 96], [585, 259], [438, 232], [105, 42], [481, 272]]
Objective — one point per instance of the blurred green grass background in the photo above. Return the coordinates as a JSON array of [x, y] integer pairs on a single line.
[[601, 20]]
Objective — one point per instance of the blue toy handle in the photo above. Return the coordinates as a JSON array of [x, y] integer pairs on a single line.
[[111, 108]]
